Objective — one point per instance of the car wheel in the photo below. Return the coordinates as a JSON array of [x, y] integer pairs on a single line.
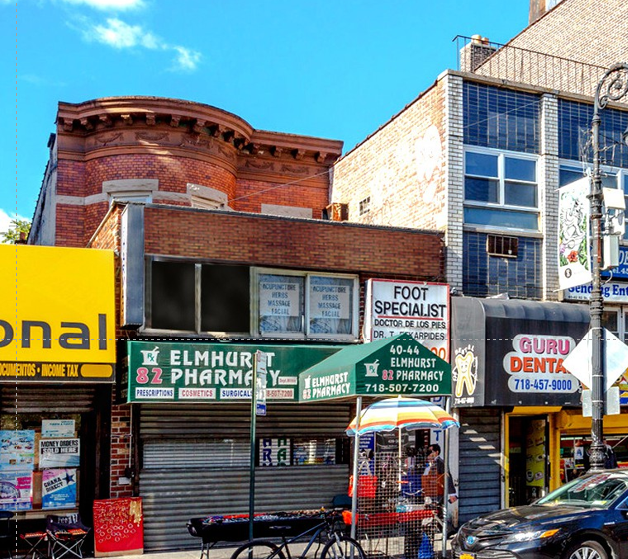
[[586, 550]]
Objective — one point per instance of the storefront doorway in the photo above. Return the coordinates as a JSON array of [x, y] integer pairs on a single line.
[[528, 452]]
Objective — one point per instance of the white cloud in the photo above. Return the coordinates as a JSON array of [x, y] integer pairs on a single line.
[[109, 4], [40, 81], [121, 35], [6, 218], [187, 59]]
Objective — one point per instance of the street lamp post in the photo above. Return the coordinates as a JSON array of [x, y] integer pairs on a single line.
[[612, 87]]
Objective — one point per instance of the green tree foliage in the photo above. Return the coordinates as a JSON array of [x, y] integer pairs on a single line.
[[17, 227]]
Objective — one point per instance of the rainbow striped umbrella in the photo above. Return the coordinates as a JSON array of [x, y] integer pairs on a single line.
[[407, 413]]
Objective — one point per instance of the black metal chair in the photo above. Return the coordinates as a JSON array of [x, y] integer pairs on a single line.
[[66, 535]]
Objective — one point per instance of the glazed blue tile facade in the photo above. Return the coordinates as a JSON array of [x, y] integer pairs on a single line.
[[486, 275], [574, 125], [500, 118]]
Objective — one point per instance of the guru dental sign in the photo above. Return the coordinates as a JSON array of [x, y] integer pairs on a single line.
[[536, 364]]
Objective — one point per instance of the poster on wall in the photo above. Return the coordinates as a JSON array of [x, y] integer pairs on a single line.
[[16, 489], [59, 453], [17, 449], [61, 428], [535, 454], [58, 488], [274, 452], [420, 309], [330, 305], [280, 303]]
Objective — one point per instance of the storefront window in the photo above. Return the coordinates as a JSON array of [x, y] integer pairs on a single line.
[[314, 451], [39, 462], [574, 454]]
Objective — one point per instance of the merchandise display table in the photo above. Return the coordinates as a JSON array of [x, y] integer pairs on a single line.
[[235, 527]]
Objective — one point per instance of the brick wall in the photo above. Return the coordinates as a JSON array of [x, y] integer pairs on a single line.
[[173, 173], [79, 216], [583, 30], [293, 243], [578, 40], [108, 238], [251, 194], [401, 168], [121, 449]]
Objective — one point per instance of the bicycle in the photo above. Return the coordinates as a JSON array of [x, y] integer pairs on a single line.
[[337, 544]]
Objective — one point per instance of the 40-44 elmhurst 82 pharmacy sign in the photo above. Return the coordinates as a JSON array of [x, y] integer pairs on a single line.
[[392, 367]]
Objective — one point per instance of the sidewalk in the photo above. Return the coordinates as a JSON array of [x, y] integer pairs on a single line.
[[215, 553]]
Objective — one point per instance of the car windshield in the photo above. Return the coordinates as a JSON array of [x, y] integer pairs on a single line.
[[596, 490]]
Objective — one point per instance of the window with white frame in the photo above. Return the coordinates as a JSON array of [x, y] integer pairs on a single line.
[[612, 177], [501, 190], [130, 190], [302, 304]]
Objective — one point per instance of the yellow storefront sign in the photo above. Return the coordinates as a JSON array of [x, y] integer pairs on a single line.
[[57, 319]]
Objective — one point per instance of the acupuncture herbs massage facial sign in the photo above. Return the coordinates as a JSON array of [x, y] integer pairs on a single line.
[[536, 364]]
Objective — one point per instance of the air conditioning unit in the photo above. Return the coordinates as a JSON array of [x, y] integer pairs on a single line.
[[337, 211], [499, 245]]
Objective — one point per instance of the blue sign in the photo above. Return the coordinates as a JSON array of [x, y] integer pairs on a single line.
[[58, 488]]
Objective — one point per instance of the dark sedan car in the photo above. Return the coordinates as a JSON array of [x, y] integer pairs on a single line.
[[585, 519]]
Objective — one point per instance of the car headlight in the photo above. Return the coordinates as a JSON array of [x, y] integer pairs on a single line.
[[531, 535]]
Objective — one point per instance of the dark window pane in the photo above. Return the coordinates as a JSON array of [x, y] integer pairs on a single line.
[[520, 169], [501, 218], [498, 118], [574, 125], [518, 194], [609, 180], [481, 190], [172, 290], [568, 175], [225, 297], [481, 164], [609, 321]]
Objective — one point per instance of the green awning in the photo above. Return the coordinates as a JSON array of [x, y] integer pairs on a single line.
[[389, 367]]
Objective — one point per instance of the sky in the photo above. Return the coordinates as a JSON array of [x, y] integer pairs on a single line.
[[335, 69]]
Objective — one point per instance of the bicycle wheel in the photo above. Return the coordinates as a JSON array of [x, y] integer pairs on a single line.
[[342, 547], [258, 549]]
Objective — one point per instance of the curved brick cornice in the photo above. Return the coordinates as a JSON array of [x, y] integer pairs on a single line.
[[116, 125]]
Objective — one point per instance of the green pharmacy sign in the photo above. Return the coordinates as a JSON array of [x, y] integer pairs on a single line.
[[390, 367], [197, 372]]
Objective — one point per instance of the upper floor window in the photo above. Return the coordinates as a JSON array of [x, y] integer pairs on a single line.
[[296, 304], [203, 298], [501, 190], [365, 206], [130, 190], [501, 118], [574, 126]]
